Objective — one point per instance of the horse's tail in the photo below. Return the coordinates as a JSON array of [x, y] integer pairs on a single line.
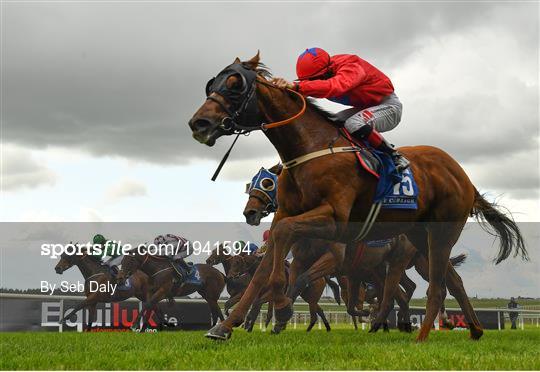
[[501, 226], [458, 260]]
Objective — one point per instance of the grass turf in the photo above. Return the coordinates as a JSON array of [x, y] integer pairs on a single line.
[[343, 348]]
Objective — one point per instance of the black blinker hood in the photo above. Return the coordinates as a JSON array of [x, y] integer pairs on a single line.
[[242, 102]]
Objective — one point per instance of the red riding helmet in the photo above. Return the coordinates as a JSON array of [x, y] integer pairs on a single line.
[[266, 235], [313, 62]]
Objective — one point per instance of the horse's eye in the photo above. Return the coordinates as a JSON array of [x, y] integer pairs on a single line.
[[267, 184], [235, 82]]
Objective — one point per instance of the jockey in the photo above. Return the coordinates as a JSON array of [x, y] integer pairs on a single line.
[[352, 81], [252, 248], [109, 248], [262, 249], [175, 248]]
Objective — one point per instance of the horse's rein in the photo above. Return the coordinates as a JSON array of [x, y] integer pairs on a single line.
[[281, 123], [267, 204]]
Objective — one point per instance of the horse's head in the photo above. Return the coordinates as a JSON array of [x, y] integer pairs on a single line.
[[217, 256], [131, 262], [237, 267], [67, 261], [240, 266], [262, 191], [231, 103]]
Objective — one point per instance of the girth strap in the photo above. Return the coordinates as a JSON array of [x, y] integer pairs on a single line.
[[317, 154], [370, 220]]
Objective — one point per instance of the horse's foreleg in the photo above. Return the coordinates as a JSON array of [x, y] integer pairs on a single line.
[[318, 223], [269, 314], [215, 310], [352, 298], [147, 308], [92, 299], [312, 316], [298, 280], [232, 301], [92, 316], [408, 285], [404, 316], [325, 265], [222, 331]]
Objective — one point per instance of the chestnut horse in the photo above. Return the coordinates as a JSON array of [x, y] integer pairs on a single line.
[[241, 265], [93, 270], [327, 197], [165, 282], [235, 288]]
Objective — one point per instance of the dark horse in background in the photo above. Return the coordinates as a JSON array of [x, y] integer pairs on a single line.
[[328, 198], [93, 270], [235, 287], [243, 264], [165, 282]]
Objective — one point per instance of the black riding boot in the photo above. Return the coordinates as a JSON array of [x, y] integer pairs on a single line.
[[378, 142]]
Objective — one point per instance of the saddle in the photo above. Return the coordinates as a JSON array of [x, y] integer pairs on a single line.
[[394, 190], [190, 276]]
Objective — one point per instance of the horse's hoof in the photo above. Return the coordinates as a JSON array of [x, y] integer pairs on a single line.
[[476, 333], [404, 327], [448, 325], [278, 327], [374, 327], [386, 328], [284, 314], [219, 332]]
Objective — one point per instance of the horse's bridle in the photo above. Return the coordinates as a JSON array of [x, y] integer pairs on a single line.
[[241, 106], [270, 206]]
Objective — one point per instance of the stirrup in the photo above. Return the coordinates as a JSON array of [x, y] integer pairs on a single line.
[[400, 161]]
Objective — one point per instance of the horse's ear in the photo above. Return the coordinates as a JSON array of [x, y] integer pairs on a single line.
[[237, 60], [253, 63]]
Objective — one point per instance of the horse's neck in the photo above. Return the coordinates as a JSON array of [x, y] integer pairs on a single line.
[[154, 265], [88, 267], [226, 265], [311, 132]]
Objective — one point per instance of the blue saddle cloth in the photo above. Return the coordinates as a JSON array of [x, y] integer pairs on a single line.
[[395, 190], [113, 271], [126, 285], [191, 277]]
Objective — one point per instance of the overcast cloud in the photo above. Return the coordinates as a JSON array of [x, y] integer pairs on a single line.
[[122, 80]]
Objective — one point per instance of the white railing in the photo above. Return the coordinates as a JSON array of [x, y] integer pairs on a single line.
[[336, 317]]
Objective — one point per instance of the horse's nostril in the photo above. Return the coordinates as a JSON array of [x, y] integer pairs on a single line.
[[200, 124], [250, 212]]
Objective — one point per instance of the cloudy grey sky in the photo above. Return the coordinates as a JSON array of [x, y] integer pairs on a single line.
[[96, 97]]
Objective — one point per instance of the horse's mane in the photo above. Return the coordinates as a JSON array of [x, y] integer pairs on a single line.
[[263, 71], [276, 169]]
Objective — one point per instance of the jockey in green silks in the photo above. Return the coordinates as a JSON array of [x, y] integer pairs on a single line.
[[109, 248]]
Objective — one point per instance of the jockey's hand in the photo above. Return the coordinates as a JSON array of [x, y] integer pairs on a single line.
[[282, 83]]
